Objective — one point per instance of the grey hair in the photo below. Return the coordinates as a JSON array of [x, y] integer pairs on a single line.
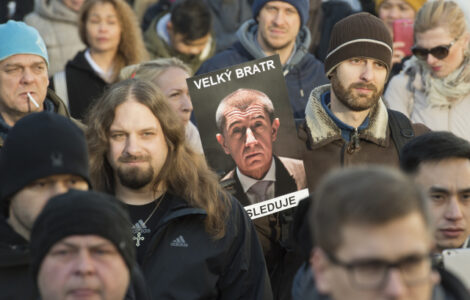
[[242, 99]]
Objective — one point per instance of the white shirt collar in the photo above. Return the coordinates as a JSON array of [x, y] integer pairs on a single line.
[[248, 182], [105, 75]]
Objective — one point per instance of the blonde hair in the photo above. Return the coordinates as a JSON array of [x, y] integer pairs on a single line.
[[152, 69], [440, 13], [131, 49], [185, 173]]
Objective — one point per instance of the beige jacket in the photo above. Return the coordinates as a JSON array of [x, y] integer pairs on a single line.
[[58, 26], [413, 104]]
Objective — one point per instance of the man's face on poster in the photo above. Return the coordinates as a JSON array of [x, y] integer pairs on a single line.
[[248, 136]]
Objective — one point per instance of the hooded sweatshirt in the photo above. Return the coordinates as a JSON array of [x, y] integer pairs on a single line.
[[302, 71]]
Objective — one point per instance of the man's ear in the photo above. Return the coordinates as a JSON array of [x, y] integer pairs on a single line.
[[169, 27], [221, 140], [320, 267], [275, 127]]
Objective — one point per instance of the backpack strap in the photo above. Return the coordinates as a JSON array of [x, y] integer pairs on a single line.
[[400, 127], [60, 86]]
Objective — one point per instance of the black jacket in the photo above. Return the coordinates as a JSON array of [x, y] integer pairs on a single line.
[[15, 278], [203, 268], [84, 85]]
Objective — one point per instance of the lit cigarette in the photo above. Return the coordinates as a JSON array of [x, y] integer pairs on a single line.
[[32, 100]]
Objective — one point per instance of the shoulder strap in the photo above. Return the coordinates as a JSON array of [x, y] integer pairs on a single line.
[[400, 127], [60, 86]]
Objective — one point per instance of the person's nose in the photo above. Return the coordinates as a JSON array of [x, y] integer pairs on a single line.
[[394, 287], [250, 138], [186, 104], [431, 60], [27, 76], [394, 13], [367, 72], [453, 211], [84, 264], [132, 145]]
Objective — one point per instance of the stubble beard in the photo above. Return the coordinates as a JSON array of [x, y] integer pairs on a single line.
[[352, 101], [274, 48]]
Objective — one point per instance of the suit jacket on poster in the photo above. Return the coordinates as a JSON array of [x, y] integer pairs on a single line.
[[273, 230]]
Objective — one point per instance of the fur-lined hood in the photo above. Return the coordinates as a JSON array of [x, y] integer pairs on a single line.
[[323, 130]]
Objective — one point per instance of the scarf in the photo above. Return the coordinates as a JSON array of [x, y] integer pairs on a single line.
[[440, 92]]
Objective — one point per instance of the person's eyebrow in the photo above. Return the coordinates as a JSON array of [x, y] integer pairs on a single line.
[[234, 123], [437, 189]]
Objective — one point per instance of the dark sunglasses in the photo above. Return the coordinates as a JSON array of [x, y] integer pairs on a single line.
[[439, 52]]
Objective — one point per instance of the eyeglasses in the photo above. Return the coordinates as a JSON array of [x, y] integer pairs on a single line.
[[372, 274], [439, 52]]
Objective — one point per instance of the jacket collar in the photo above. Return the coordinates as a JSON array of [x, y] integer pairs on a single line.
[[323, 129]]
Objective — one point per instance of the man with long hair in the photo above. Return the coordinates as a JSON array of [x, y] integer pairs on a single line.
[[184, 223]]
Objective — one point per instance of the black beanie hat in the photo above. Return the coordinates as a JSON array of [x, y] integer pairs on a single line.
[[81, 213], [40, 145], [302, 7], [359, 35]]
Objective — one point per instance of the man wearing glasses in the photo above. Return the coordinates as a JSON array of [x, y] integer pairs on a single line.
[[373, 239]]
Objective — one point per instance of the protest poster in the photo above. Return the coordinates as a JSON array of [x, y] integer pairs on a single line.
[[248, 132]]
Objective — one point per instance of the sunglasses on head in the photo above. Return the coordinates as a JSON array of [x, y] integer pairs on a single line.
[[439, 52]]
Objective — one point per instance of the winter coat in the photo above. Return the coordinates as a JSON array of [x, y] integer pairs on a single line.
[[58, 26], [84, 85], [58, 107], [158, 48], [182, 261], [15, 277], [449, 288], [302, 73], [326, 149], [413, 103]]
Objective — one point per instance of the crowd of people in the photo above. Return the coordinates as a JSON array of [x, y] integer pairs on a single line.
[[106, 192]]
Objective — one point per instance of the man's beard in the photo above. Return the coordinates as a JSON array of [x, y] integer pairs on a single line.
[[134, 177], [352, 101]]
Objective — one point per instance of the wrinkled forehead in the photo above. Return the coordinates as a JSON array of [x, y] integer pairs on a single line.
[[234, 114]]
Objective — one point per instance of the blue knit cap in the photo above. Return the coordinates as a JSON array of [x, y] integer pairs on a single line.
[[302, 7], [19, 38]]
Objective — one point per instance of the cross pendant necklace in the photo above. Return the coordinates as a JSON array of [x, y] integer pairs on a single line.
[[140, 227]]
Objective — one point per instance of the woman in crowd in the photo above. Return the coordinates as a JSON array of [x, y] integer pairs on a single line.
[[434, 87], [390, 11], [170, 75], [110, 31]]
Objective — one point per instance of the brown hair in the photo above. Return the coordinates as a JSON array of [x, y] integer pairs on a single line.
[[439, 13], [365, 195], [185, 173], [131, 49]]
